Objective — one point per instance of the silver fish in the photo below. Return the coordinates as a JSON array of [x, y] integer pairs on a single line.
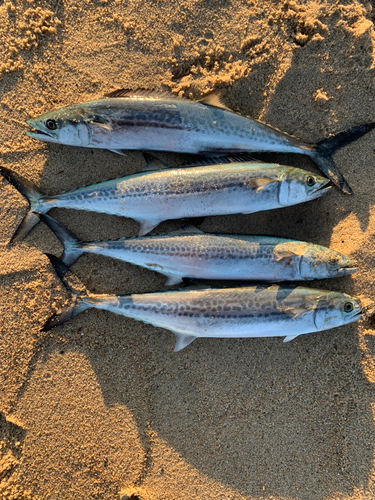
[[253, 311], [191, 253], [153, 197], [150, 120]]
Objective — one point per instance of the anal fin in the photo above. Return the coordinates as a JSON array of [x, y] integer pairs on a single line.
[[147, 226], [117, 151], [288, 338], [182, 341], [173, 279]]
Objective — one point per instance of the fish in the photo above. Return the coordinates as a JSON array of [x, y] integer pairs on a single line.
[[152, 197], [191, 253], [160, 121], [250, 311]]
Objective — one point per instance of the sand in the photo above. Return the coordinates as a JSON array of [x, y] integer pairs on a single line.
[[101, 408]]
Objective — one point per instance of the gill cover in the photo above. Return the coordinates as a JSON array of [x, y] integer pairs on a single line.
[[284, 188]]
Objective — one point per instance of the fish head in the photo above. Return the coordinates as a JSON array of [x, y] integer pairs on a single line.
[[297, 186], [319, 263], [63, 126], [334, 309]]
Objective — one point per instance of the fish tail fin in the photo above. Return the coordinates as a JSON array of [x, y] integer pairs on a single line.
[[72, 245], [324, 150], [79, 300], [33, 196]]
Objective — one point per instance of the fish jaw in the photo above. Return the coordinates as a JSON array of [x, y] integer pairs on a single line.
[[345, 271], [69, 132], [41, 136], [320, 192], [40, 132], [339, 271], [337, 265]]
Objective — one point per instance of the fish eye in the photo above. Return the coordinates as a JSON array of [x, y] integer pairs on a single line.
[[310, 181], [348, 307], [51, 124]]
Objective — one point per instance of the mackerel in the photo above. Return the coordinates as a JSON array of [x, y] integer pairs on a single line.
[[152, 197], [160, 121], [191, 253], [252, 311]]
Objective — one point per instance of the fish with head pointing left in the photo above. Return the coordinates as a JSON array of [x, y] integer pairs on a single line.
[[152, 197], [160, 121], [251, 311]]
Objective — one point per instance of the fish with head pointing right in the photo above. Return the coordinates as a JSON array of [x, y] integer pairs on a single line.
[[191, 253], [250, 311], [215, 188]]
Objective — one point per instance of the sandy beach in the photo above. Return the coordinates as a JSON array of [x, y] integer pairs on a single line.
[[101, 407]]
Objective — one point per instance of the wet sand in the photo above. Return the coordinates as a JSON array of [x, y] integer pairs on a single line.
[[101, 407]]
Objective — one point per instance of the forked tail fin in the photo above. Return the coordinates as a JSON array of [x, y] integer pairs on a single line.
[[78, 292], [33, 196], [324, 150], [72, 245]]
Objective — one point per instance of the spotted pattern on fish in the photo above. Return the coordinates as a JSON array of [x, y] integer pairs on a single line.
[[257, 311]]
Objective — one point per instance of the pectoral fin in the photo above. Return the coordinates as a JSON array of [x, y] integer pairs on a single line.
[[182, 340], [106, 126], [260, 183], [294, 311], [288, 338], [284, 254]]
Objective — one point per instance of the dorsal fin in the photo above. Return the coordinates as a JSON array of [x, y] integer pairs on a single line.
[[153, 163], [215, 99], [190, 229], [146, 93], [218, 160]]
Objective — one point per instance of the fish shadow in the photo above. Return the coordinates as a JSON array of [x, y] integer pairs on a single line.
[[256, 415], [260, 416]]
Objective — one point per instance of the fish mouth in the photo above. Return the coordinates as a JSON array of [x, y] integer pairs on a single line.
[[343, 271], [326, 186], [320, 191], [325, 189], [356, 317], [36, 133]]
